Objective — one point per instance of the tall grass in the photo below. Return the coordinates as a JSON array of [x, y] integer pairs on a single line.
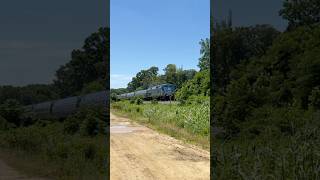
[[62, 154], [277, 152], [189, 122]]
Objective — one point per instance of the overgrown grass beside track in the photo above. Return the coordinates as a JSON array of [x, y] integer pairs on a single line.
[[282, 145], [189, 122], [73, 149]]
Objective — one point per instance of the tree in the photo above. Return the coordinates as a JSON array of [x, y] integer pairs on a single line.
[[87, 64], [92, 87], [287, 75], [199, 85], [183, 76], [232, 46], [144, 79], [170, 73], [301, 12], [204, 60], [28, 94], [12, 111]]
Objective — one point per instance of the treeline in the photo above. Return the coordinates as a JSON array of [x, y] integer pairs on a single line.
[[258, 67], [189, 82], [266, 96], [86, 72]]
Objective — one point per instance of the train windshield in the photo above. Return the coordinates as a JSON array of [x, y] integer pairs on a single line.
[[168, 88]]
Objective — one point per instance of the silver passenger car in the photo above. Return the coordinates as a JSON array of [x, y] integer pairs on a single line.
[[94, 99], [141, 94], [65, 107], [43, 110]]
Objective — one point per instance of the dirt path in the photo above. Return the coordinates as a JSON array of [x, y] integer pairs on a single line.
[[8, 173], [140, 153]]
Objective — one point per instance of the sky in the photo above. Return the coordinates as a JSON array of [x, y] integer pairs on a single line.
[[250, 12], [37, 36], [147, 33]]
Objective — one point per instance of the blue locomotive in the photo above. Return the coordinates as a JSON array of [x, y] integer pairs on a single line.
[[160, 92], [63, 107]]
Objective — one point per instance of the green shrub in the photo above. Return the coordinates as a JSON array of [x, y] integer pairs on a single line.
[[314, 98], [154, 101], [12, 111], [72, 124], [139, 101], [71, 156], [88, 121], [197, 99], [90, 125], [4, 124]]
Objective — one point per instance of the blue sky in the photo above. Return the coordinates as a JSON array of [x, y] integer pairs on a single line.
[[37, 37], [147, 33]]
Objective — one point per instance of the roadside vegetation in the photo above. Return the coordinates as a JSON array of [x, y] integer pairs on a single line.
[[266, 97], [189, 122], [72, 148]]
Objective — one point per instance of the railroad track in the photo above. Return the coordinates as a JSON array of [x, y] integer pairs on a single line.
[[163, 102]]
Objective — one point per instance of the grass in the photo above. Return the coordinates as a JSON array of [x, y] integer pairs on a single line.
[[189, 123], [279, 151], [46, 149]]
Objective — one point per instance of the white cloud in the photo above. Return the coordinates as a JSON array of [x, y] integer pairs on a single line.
[[119, 80]]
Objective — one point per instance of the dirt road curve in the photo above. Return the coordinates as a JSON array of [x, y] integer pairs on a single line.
[[8, 173], [140, 153]]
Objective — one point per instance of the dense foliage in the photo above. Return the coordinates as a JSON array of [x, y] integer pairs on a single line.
[[301, 12], [86, 65], [284, 76], [73, 149], [266, 98], [199, 85], [150, 77], [28, 94]]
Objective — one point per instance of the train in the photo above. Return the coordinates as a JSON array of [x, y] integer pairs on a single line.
[[159, 92], [64, 107]]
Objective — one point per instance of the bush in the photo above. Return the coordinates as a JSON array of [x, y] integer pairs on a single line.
[[154, 101], [197, 99], [87, 121], [114, 97], [90, 125], [198, 86], [4, 124], [314, 98], [139, 101], [12, 111], [72, 125], [69, 156]]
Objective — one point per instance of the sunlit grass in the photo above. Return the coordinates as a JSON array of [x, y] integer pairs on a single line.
[[187, 122]]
